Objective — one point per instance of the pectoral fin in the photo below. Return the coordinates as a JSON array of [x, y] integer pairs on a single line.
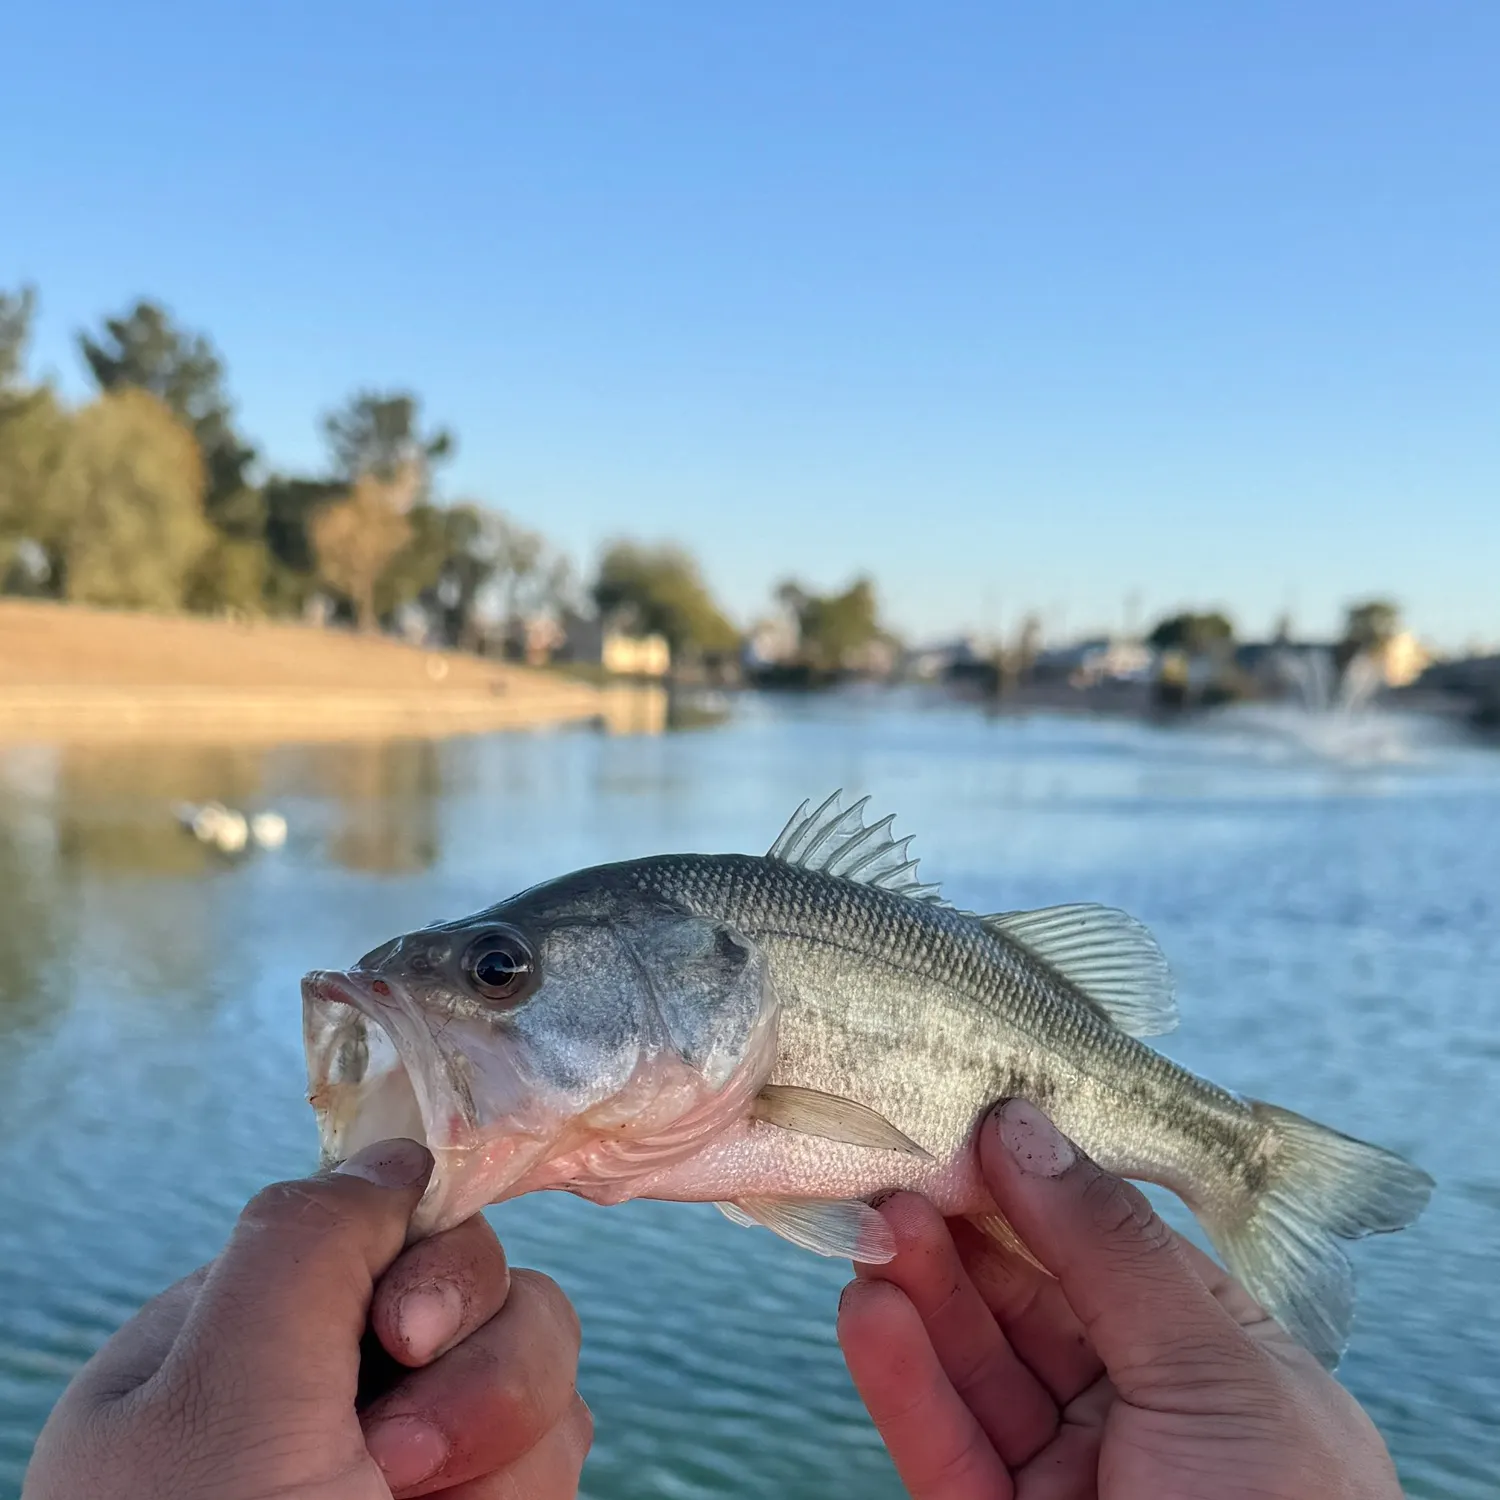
[[811, 1112], [998, 1228], [843, 1228]]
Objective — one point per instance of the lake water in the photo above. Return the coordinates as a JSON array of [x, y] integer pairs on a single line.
[[1335, 931]]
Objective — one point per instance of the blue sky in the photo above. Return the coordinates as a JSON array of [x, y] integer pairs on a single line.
[[1013, 307]]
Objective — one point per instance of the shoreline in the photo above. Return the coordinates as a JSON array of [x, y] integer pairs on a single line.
[[69, 673]]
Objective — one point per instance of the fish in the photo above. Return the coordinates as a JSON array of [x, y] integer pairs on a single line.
[[791, 1035]]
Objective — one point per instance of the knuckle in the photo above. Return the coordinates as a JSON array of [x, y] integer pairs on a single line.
[[585, 1422], [296, 1203], [551, 1297], [513, 1397], [1121, 1213]]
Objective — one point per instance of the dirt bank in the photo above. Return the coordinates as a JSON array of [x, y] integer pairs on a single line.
[[72, 673]]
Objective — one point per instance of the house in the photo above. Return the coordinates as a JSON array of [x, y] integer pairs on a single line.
[[590, 640]]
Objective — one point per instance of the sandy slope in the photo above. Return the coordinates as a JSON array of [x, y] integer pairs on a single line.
[[69, 672]]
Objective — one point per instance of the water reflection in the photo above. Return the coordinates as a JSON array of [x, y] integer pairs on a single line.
[[387, 804], [31, 913], [114, 803]]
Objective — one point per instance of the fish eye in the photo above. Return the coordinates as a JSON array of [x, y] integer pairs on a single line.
[[500, 965]]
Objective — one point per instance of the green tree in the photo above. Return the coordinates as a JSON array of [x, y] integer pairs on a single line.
[[129, 504], [292, 567], [660, 590], [33, 439], [1371, 624], [458, 557], [146, 349], [356, 539], [16, 312], [380, 433], [833, 627], [1193, 633]]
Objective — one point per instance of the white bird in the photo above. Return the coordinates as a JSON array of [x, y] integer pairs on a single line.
[[268, 829], [229, 831]]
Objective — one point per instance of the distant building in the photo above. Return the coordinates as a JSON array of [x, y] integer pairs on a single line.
[[772, 642], [591, 641], [1090, 663], [875, 658], [635, 655]]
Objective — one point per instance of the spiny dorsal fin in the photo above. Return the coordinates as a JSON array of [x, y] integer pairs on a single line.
[[835, 840], [1106, 954]]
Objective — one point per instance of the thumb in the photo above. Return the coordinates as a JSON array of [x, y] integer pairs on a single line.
[[1148, 1314], [284, 1307]]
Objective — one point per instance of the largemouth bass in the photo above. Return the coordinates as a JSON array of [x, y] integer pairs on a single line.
[[789, 1035]]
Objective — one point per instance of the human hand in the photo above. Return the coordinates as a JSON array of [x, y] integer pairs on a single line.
[[246, 1380], [1143, 1372]]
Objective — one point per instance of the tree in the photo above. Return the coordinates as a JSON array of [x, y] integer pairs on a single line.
[[1371, 624], [33, 438], [460, 557], [129, 504], [379, 433], [356, 539], [832, 627], [16, 312], [183, 370], [1193, 633], [661, 590], [292, 565]]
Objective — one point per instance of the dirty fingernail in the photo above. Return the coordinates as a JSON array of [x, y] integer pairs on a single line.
[[429, 1318], [397, 1163], [407, 1449], [1035, 1142]]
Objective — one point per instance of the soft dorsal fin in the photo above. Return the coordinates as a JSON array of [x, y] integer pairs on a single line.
[[1105, 954], [835, 840]]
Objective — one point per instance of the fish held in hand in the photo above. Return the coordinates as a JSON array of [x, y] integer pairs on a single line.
[[791, 1034]]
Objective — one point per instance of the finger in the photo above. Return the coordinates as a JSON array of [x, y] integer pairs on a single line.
[[136, 1351], [1010, 1404], [939, 1449], [1038, 1321], [1142, 1305], [1069, 1465], [1226, 1291], [439, 1291], [548, 1471], [482, 1405], [282, 1311], [1042, 1327]]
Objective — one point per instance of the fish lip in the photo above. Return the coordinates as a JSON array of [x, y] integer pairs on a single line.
[[439, 1098], [345, 1004]]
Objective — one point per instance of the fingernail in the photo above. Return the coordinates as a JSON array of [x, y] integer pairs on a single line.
[[1034, 1141], [407, 1449], [429, 1317], [390, 1164]]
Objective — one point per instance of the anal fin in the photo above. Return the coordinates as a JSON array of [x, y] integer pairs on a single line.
[[998, 1228], [841, 1228]]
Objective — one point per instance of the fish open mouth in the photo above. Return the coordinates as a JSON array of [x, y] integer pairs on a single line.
[[359, 1084], [375, 1071]]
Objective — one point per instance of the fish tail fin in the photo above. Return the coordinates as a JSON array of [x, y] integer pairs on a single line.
[[1321, 1187]]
